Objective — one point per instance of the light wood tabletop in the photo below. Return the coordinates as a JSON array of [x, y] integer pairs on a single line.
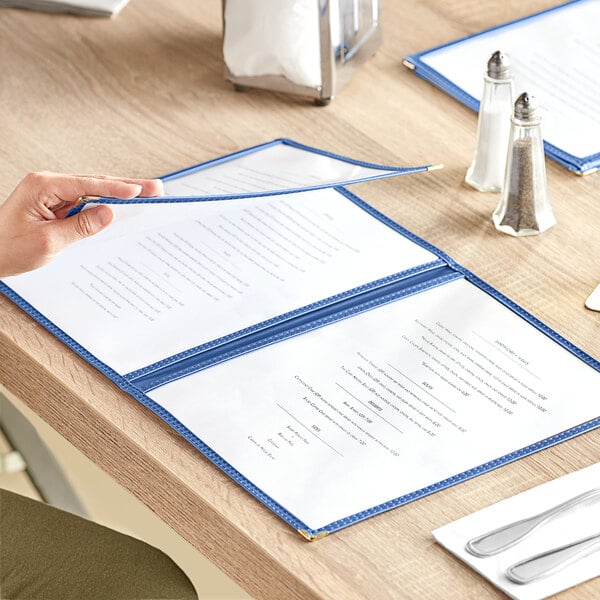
[[144, 95]]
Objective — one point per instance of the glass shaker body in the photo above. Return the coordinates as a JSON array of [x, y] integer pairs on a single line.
[[486, 172], [524, 208]]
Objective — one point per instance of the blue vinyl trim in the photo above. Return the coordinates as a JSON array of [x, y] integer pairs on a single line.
[[387, 171], [580, 165], [540, 325], [459, 478], [259, 328], [319, 317], [285, 141]]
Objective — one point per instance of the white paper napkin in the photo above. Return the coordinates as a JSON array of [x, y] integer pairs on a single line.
[[573, 524]]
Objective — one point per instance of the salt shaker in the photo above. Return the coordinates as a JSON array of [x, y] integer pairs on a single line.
[[486, 172], [524, 208]]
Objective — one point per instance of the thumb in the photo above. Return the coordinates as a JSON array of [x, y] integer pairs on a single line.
[[84, 224]]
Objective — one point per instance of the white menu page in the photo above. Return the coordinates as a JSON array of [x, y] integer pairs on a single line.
[[164, 278], [368, 409], [555, 57]]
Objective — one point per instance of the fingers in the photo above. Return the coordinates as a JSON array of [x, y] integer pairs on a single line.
[[69, 188], [150, 187], [32, 227], [55, 191], [25, 246], [81, 225]]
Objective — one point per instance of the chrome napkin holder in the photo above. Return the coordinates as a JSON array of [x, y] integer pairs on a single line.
[[346, 33]]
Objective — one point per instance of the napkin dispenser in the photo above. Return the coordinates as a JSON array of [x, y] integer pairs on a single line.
[[306, 47]]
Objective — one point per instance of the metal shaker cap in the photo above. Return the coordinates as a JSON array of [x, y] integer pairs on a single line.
[[498, 66], [526, 107]]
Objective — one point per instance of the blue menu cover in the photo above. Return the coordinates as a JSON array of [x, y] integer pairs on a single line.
[[328, 360]]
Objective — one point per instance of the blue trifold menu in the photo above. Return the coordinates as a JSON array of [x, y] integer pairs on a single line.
[[331, 362]]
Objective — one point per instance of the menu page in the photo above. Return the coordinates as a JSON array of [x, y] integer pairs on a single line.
[[164, 278], [555, 57], [277, 166], [366, 410]]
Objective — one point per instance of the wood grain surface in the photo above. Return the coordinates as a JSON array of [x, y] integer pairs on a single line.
[[143, 95]]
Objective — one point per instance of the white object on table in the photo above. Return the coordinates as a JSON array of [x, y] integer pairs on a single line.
[[564, 528], [593, 301]]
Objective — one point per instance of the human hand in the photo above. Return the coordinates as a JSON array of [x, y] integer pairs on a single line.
[[33, 228]]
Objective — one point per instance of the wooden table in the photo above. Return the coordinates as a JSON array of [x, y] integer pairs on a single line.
[[143, 95]]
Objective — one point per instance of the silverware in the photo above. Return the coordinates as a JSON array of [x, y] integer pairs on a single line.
[[546, 563], [496, 541]]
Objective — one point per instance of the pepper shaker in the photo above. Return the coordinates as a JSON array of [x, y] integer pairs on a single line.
[[524, 208], [486, 172]]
